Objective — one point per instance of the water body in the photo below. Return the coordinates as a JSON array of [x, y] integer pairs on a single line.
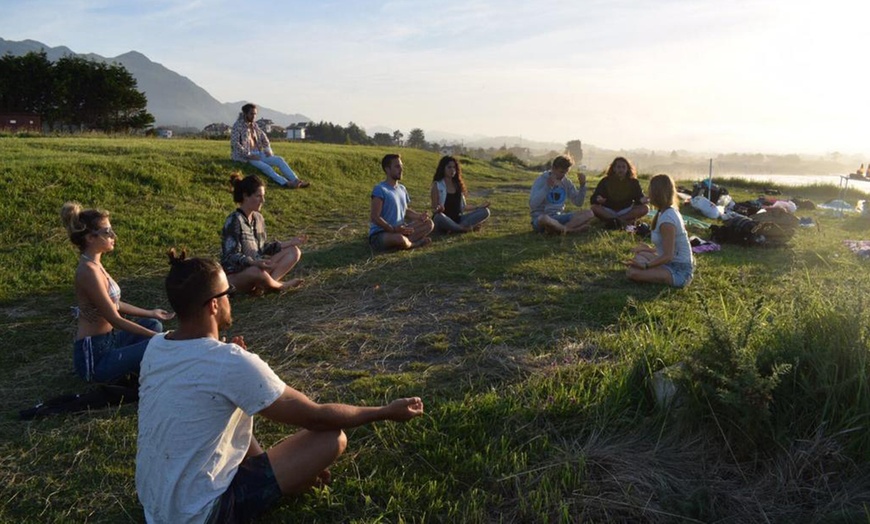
[[789, 180]]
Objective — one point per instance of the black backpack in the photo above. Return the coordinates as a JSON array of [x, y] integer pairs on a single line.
[[736, 230], [700, 188]]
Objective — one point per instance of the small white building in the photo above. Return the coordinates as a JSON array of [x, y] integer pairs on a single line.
[[296, 132], [266, 125], [162, 132], [216, 129]]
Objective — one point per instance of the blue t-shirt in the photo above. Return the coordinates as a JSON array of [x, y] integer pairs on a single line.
[[396, 201]]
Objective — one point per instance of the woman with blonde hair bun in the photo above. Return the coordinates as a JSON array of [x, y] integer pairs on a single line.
[[107, 345], [670, 260]]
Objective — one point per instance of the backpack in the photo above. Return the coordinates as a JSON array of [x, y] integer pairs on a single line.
[[776, 225], [122, 391], [700, 188], [747, 207], [736, 230]]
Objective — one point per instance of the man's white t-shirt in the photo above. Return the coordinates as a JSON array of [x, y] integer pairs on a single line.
[[197, 399]]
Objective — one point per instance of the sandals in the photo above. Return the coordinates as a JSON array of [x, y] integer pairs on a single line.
[[299, 185]]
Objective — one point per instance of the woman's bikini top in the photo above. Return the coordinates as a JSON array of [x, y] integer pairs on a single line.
[[88, 311]]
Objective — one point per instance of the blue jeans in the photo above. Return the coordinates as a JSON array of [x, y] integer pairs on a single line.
[[265, 164], [104, 358], [445, 223]]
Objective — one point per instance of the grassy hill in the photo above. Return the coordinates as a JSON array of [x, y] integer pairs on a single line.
[[537, 360]]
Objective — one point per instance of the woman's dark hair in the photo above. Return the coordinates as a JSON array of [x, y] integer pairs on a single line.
[[243, 187], [611, 171], [190, 281], [442, 167], [81, 222]]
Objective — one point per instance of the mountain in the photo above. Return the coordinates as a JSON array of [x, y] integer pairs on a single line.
[[173, 99]]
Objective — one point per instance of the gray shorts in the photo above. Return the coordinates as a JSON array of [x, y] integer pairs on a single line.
[[681, 273]]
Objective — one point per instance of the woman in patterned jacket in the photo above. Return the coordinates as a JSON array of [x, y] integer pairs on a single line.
[[251, 263]]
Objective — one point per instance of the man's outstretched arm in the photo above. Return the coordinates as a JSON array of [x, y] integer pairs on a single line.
[[294, 408]]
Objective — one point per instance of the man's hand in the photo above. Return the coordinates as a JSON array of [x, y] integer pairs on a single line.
[[240, 341], [404, 409], [581, 177]]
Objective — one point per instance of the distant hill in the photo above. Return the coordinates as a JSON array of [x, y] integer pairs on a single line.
[[173, 99]]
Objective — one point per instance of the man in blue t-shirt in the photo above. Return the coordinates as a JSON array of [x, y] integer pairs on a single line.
[[394, 225]]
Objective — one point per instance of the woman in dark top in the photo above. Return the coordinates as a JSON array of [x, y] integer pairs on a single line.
[[252, 264], [108, 345], [618, 199], [449, 211]]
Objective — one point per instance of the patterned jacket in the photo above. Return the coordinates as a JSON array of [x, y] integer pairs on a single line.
[[244, 242], [245, 138]]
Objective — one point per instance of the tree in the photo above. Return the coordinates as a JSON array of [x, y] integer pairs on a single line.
[[575, 149], [383, 139], [416, 139], [26, 84], [397, 137], [73, 91], [356, 135]]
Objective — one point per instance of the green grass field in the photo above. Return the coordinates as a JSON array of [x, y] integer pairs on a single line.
[[535, 357]]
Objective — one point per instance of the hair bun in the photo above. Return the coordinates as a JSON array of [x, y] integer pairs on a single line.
[[175, 258]]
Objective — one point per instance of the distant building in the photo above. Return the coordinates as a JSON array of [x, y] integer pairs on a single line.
[[216, 129], [16, 122], [296, 132], [265, 124], [162, 132]]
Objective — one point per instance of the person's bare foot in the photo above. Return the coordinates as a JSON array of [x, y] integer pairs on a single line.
[[293, 283], [423, 242]]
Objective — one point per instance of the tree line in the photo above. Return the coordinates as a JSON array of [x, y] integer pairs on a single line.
[[73, 93]]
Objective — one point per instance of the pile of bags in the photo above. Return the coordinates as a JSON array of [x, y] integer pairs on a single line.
[[750, 223]]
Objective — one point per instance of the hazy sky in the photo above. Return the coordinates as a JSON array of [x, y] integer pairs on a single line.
[[776, 76]]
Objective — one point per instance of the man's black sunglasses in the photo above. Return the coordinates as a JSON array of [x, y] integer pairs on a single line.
[[230, 290]]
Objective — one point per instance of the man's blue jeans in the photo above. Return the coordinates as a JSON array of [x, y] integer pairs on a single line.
[[265, 164]]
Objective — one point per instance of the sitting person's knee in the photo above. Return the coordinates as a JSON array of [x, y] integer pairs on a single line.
[[152, 323]]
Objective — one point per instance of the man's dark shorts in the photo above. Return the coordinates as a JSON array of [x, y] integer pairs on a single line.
[[253, 490], [376, 241]]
